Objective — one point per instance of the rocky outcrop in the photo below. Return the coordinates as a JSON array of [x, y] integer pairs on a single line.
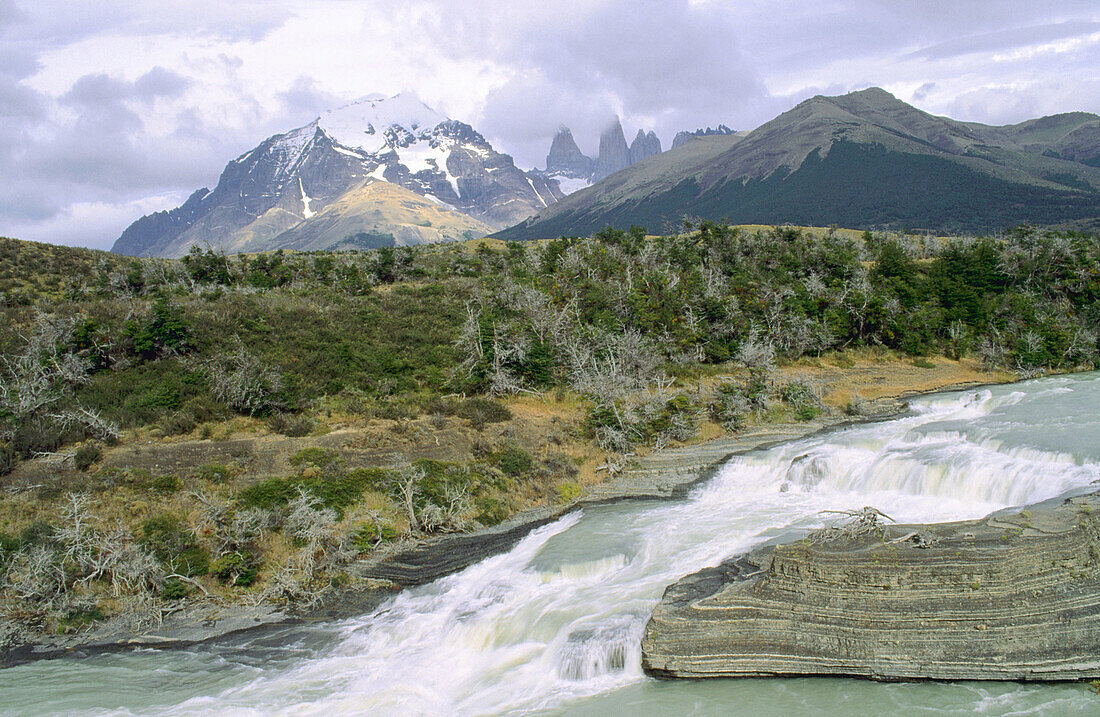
[[645, 144], [614, 152], [684, 136], [1010, 597], [566, 158]]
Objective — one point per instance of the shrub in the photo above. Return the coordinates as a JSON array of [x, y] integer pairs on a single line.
[[246, 384], [290, 425], [316, 456], [8, 458], [79, 616], [490, 510], [730, 407], [238, 568], [481, 411], [178, 423], [921, 362], [161, 484], [803, 397], [86, 455], [174, 546], [164, 330], [268, 494], [37, 436], [512, 459], [174, 589], [372, 534], [215, 473], [568, 492]]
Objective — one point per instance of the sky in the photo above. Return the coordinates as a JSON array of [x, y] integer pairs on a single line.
[[117, 108]]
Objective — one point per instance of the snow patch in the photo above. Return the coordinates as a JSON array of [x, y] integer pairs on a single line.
[[287, 151], [568, 184], [536, 191], [306, 211], [348, 152], [362, 124], [440, 202]]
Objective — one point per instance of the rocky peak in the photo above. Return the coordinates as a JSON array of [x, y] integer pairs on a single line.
[[645, 144], [566, 157], [682, 137], [614, 152]]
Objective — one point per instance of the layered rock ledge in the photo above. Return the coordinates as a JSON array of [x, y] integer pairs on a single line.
[[1012, 596]]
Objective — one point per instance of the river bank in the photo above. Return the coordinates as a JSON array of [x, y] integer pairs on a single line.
[[658, 476]]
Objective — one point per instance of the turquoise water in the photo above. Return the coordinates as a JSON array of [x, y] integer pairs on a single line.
[[553, 626]]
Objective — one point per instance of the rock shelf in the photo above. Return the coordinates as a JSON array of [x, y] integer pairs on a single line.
[[1013, 596]]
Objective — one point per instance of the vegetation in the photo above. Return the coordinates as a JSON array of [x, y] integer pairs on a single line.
[[441, 342]]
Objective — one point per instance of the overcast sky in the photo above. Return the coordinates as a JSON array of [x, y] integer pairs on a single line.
[[116, 108]]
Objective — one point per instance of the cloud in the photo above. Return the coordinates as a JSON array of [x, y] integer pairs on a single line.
[[105, 115], [1007, 39]]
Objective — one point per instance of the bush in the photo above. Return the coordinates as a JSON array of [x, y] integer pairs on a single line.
[[803, 397], [568, 491], [37, 436], [316, 456], [490, 510], [238, 568], [161, 484], [370, 535], [174, 546], [164, 331], [174, 589], [8, 458], [247, 384], [481, 411], [730, 407], [290, 425], [215, 473], [178, 423], [512, 459], [86, 455]]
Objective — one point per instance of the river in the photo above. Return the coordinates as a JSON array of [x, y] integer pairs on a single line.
[[553, 626]]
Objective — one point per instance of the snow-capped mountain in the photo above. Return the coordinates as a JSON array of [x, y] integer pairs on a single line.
[[285, 191]]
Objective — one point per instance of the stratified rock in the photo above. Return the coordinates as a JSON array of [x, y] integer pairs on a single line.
[[1012, 597], [614, 152], [645, 144]]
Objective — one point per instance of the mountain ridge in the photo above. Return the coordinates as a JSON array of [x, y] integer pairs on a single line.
[[901, 156]]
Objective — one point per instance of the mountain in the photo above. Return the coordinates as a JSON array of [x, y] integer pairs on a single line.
[[861, 160], [566, 164], [316, 186], [614, 152], [572, 170], [645, 145]]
